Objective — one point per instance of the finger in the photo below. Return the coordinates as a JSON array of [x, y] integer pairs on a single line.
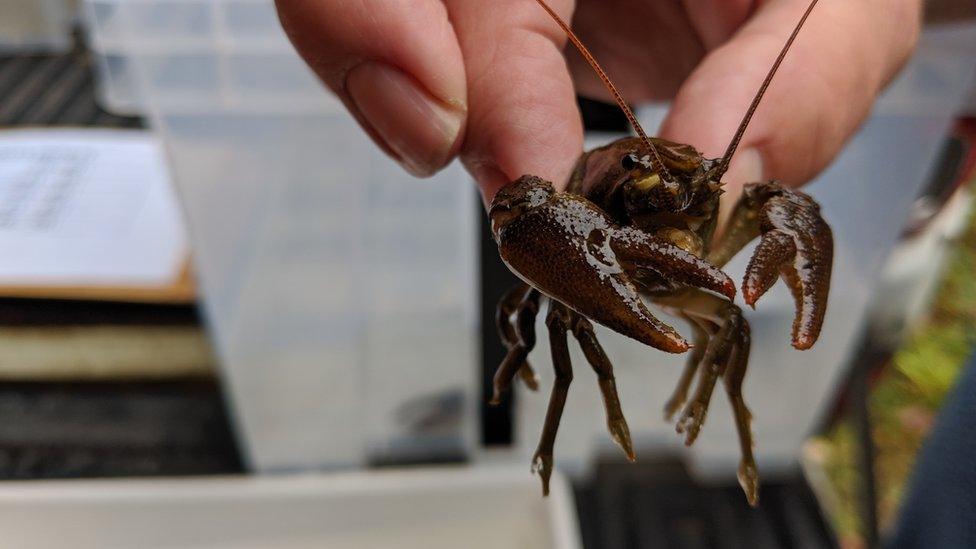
[[396, 65], [844, 55], [522, 113]]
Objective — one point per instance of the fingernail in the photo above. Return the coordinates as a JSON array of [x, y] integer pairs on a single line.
[[488, 177], [419, 129], [746, 167]]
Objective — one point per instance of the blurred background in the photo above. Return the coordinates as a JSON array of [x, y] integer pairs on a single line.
[[226, 320]]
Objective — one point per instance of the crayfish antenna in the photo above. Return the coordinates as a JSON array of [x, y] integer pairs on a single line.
[[656, 161], [734, 144]]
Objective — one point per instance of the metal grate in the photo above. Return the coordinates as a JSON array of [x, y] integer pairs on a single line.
[[656, 504], [53, 90]]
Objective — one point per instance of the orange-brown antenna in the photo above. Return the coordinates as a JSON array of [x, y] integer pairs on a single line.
[[656, 162], [734, 144]]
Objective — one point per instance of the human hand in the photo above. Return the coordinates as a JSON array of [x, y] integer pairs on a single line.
[[488, 80]]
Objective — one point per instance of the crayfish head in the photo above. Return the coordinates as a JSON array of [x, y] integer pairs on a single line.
[[513, 200], [683, 191], [649, 191]]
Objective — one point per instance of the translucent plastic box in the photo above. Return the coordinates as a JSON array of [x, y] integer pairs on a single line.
[[36, 25], [231, 52], [340, 290]]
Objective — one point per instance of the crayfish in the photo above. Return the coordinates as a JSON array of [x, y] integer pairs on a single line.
[[637, 225]]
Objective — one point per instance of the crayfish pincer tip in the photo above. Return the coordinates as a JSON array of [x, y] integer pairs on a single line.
[[728, 289], [803, 343], [676, 345], [750, 295]]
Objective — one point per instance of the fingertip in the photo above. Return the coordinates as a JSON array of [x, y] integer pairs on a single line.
[[487, 176], [525, 134], [522, 111]]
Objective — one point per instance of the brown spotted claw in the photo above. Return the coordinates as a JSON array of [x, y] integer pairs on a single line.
[[795, 244], [570, 250]]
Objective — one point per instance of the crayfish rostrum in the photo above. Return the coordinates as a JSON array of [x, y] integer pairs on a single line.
[[637, 225]]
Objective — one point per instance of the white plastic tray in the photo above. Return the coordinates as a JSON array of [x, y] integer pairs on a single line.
[[407, 509]]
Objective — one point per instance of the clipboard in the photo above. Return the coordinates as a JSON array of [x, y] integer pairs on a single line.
[[90, 214]]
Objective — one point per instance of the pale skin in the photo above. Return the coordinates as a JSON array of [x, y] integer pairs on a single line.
[[493, 83]]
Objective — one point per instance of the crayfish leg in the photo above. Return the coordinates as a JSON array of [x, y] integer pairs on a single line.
[[593, 351], [735, 372], [726, 355], [680, 394], [558, 322], [517, 336]]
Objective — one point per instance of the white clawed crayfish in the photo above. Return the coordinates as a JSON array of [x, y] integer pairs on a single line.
[[637, 224]]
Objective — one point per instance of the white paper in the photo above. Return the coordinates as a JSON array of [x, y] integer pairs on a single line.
[[87, 207]]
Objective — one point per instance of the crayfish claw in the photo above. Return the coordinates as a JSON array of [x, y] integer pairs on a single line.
[[797, 245], [671, 261], [774, 250], [538, 229]]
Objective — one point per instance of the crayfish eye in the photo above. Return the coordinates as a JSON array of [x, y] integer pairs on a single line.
[[628, 162]]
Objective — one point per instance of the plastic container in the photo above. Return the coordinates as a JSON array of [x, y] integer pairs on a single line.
[[36, 25], [191, 52], [409, 509], [865, 195], [232, 51], [115, 81], [340, 291]]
